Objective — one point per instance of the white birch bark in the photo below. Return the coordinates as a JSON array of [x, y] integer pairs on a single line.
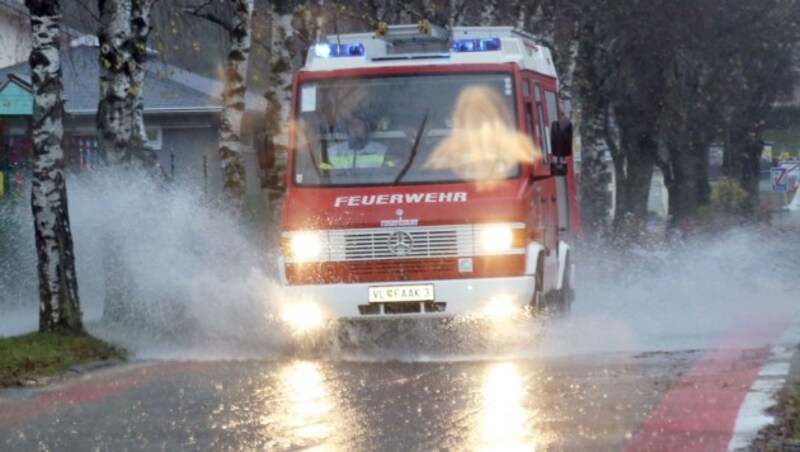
[[521, 8], [59, 306], [233, 103], [596, 199], [379, 11], [282, 66], [429, 9], [456, 13], [488, 12], [405, 13], [140, 31], [114, 112], [319, 23], [569, 96]]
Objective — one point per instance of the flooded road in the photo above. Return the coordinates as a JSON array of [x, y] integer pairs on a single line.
[[576, 403], [662, 351], [655, 400]]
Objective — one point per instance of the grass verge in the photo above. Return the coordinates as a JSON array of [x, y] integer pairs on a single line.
[[35, 355], [792, 413], [784, 433]]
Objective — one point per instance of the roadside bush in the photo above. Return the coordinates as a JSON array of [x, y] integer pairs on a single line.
[[728, 197], [730, 205]]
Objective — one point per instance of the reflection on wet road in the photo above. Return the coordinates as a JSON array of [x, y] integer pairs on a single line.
[[556, 403], [655, 358]]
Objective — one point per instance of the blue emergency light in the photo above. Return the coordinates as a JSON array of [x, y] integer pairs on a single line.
[[326, 50], [477, 45]]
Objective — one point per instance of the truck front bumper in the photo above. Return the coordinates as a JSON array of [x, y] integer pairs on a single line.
[[493, 297]]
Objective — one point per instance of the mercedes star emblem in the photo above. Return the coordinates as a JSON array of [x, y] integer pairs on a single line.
[[400, 243]]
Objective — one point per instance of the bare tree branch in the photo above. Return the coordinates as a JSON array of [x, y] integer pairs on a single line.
[[213, 18], [86, 8]]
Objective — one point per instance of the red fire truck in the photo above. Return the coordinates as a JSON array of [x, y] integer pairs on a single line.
[[430, 174]]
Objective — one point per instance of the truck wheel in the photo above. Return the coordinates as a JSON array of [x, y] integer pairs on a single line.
[[566, 295], [538, 300]]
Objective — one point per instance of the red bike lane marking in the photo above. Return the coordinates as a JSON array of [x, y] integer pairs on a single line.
[[699, 411], [91, 390]]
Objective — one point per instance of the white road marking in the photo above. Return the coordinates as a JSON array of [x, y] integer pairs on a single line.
[[774, 369], [771, 378]]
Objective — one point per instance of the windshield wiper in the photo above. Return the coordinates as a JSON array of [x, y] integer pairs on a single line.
[[414, 148]]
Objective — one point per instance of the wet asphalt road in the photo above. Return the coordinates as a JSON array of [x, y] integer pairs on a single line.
[[594, 402], [698, 353]]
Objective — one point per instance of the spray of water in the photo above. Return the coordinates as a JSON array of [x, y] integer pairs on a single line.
[[198, 284], [721, 291], [695, 294], [18, 283], [193, 279]]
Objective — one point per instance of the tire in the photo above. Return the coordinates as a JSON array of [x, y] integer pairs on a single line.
[[539, 302], [566, 295]]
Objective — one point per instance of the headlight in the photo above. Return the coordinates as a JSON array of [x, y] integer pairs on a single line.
[[304, 246], [303, 316], [497, 238], [500, 307]]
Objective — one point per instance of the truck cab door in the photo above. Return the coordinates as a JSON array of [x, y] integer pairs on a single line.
[[542, 197]]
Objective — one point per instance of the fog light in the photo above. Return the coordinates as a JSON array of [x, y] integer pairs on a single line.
[[500, 308], [303, 316]]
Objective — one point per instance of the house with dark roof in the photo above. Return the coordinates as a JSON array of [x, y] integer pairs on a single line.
[[15, 32], [181, 116]]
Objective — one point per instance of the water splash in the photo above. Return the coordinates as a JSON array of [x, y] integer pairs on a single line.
[[195, 280], [683, 296], [18, 279], [200, 285], [690, 295]]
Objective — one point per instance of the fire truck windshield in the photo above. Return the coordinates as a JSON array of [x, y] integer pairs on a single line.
[[407, 129]]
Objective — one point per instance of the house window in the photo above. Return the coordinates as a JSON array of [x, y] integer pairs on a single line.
[[83, 153], [15, 152], [15, 162], [153, 137]]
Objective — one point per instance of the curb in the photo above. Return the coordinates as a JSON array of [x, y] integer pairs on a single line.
[[773, 377]]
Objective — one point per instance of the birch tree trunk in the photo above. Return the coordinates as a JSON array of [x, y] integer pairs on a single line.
[[519, 10], [140, 31], [125, 27], [488, 13], [456, 13], [59, 306], [319, 22], [233, 103], [282, 66], [234, 79], [114, 112], [285, 58], [595, 196]]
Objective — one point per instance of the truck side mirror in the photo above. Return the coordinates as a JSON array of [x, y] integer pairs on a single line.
[[561, 138]]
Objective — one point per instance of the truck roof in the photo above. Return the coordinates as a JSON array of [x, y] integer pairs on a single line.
[[410, 45]]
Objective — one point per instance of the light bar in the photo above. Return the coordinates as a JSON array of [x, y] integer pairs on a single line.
[[326, 50], [477, 45]]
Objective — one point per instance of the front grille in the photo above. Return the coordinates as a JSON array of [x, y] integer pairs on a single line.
[[422, 244], [400, 243]]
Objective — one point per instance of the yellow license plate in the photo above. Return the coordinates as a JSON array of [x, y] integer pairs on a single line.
[[394, 294]]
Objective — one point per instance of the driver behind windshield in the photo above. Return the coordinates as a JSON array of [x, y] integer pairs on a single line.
[[359, 150]]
